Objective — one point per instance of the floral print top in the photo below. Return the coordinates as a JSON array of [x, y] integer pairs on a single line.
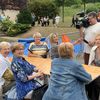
[[21, 69]]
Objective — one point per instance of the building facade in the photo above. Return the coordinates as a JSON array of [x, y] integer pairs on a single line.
[[13, 4]]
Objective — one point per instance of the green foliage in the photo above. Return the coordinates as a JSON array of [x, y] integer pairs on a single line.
[[58, 2], [43, 8], [72, 2], [92, 7], [11, 29], [97, 5], [67, 2], [5, 25], [70, 11], [74, 9], [17, 28], [24, 17]]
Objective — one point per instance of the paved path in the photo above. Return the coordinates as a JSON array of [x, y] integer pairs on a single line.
[[45, 31]]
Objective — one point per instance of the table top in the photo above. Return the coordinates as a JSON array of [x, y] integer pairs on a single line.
[[45, 65]]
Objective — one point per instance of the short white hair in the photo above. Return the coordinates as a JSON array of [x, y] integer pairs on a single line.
[[37, 34], [4, 44]]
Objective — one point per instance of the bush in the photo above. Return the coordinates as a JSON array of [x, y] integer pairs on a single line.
[[13, 30], [73, 2], [24, 17], [18, 29], [5, 25], [23, 27], [92, 9]]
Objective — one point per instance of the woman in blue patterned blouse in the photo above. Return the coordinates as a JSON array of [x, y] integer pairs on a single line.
[[23, 72]]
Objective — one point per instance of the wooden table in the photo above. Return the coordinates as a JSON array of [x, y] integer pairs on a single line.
[[94, 71], [42, 64], [45, 65]]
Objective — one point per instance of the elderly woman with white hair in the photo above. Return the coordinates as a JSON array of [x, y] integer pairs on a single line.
[[23, 73], [68, 78], [93, 88], [38, 48], [6, 76]]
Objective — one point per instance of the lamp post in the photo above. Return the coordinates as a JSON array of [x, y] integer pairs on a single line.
[[62, 10], [84, 6]]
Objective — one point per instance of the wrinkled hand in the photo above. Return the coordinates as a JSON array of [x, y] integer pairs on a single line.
[[78, 41], [41, 77], [39, 74]]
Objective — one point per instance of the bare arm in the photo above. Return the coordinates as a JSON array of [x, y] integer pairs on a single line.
[[81, 31], [30, 54], [35, 75], [79, 40]]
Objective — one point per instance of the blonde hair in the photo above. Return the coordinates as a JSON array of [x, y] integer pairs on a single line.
[[51, 37], [16, 46], [37, 35], [66, 50], [4, 44]]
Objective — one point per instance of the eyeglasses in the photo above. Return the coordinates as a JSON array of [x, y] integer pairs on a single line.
[[20, 49], [6, 49]]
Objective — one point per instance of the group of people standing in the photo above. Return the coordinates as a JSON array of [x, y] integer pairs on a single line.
[[45, 21]]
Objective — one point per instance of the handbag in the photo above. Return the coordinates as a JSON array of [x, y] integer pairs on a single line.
[[39, 92], [8, 75]]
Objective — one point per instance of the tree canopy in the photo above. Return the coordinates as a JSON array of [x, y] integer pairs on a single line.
[[43, 8], [73, 2]]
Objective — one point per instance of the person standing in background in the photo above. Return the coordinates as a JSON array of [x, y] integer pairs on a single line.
[[57, 20], [73, 21], [88, 34], [48, 22], [53, 21], [93, 89], [33, 19]]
